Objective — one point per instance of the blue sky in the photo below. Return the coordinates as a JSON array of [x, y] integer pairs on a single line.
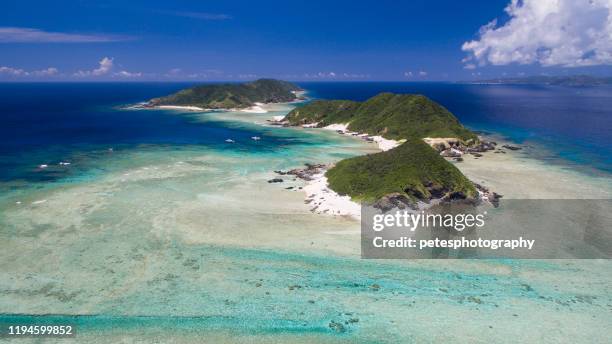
[[301, 40]]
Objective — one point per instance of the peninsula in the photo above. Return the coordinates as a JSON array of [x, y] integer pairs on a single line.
[[231, 95]]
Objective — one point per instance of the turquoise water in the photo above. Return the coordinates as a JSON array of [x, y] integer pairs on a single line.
[[175, 235]]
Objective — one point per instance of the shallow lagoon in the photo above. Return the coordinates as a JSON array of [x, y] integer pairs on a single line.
[[178, 240]]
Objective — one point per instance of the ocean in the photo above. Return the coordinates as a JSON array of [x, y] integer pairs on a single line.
[[159, 230]]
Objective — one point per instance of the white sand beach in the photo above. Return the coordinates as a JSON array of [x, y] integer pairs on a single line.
[[257, 108], [324, 200], [177, 107], [327, 201]]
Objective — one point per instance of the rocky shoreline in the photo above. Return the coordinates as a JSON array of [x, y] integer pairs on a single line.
[[322, 197], [323, 200]]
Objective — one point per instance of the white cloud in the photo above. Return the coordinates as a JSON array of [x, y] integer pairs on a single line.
[[567, 33], [126, 74], [13, 71], [18, 72], [30, 35], [105, 66], [410, 74], [320, 75], [46, 72], [355, 75]]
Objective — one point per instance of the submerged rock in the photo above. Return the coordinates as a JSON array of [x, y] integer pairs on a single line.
[[275, 180], [482, 147], [336, 326], [308, 172], [510, 147]]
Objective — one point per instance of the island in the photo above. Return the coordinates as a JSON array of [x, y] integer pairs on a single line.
[[415, 133], [572, 80], [415, 168], [231, 95]]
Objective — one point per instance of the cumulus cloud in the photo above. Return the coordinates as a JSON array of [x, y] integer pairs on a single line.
[[46, 72], [30, 35], [320, 75], [18, 72], [104, 67], [12, 71], [568, 33], [106, 64]]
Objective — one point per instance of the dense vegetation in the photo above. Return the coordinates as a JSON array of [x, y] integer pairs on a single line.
[[413, 169], [393, 116], [227, 96]]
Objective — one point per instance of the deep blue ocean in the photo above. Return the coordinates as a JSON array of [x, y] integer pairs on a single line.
[[47, 122]]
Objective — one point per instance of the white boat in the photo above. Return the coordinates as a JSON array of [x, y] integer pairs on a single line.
[[256, 138], [230, 141], [42, 166]]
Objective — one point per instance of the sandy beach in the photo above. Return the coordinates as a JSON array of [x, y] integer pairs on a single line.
[[325, 200]]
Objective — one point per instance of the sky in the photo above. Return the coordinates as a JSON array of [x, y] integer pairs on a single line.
[[432, 40]]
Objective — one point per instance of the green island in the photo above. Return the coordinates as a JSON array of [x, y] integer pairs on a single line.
[[393, 116], [411, 171], [231, 95]]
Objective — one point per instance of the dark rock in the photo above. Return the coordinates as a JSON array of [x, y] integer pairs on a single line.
[[514, 148], [455, 196], [275, 180], [488, 195], [308, 172], [450, 153], [436, 190], [494, 199], [482, 147], [336, 326], [282, 173], [393, 200], [459, 159], [478, 155]]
